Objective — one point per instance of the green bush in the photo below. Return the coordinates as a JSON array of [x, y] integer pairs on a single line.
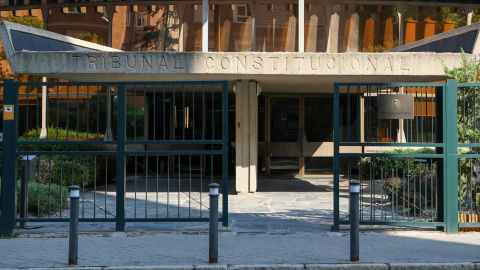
[[45, 198], [62, 134], [469, 185], [391, 166], [62, 169]]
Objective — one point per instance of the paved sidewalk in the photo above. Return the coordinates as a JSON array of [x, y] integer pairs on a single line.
[[134, 250], [272, 229]]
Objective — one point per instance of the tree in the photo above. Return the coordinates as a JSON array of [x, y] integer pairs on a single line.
[[158, 36], [468, 99], [91, 37], [468, 119]]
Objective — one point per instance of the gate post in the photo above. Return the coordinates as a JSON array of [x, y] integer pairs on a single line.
[[9, 157], [336, 159], [121, 170], [451, 158]]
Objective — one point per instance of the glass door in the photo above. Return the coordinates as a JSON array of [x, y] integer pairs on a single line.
[[284, 136]]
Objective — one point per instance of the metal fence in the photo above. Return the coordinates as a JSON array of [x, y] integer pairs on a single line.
[[141, 152], [468, 105], [399, 162]]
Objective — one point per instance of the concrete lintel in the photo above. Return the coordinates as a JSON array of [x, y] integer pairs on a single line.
[[97, 64]]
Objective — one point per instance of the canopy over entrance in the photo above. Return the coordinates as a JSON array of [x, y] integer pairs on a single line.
[[38, 52]]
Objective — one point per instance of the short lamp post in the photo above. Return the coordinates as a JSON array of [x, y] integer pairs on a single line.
[[73, 236], [354, 221], [213, 232]]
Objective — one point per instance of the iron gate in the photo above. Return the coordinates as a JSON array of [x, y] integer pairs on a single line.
[[402, 165], [140, 151]]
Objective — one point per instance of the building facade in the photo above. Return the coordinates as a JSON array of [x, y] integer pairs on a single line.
[[280, 58]]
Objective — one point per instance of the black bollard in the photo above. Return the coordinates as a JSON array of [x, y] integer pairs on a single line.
[[73, 236], [354, 221], [213, 233]]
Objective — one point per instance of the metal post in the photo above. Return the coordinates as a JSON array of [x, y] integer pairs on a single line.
[[451, 165], [354, 221], [336, 159], [24, 190], [213, 234], [73, 236], [9, 158]]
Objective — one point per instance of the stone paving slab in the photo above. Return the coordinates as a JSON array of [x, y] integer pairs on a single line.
[[250, 251]]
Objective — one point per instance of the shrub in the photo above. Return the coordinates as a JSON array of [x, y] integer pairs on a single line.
[[66, 170], [62, 134], [469, 186], [43, 199], [391, 166]]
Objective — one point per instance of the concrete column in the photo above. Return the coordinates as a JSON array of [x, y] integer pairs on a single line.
[[246, 136], [301, 25], [352, 44], [181, 15], [43, 131], [333, 29], [255, 7], [205, 10], [469, 12], [110, 9], [45, 14], [400, 14]]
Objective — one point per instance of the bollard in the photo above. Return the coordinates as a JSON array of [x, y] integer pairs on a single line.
[[73, 236], [354, 221], [213, 233]]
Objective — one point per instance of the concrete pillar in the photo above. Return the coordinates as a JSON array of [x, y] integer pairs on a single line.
[[110, 9], [246, 136], [255, 8], [353, 31], [333, 12], [43, 131], [301, 25], [469, 12], [205, 10], [400, 14], [181, 15]]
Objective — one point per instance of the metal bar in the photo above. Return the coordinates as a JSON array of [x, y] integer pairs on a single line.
[[336, 160], [179, 186], [225, 154], [156, 205], [168, 186], [95, 186], [135, 189], [87, 102], [155, 113], [121, 158], [451, 149], [348, 114], [78, 112], [184, 113], [146, 187], [9, 159]]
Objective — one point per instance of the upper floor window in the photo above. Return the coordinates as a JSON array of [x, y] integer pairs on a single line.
[[73, 10], [141, 19], [127, 19], [241, 13]]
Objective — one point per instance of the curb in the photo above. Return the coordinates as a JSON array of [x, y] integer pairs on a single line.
[[356, 266]]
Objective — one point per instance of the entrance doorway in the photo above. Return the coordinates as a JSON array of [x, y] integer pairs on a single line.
[[298, 131]]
